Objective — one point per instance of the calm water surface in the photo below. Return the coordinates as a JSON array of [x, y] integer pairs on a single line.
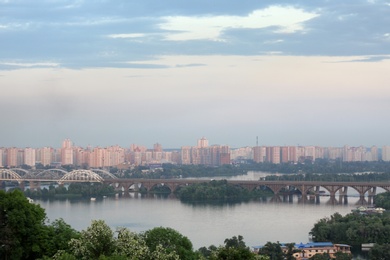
[[257, 221]]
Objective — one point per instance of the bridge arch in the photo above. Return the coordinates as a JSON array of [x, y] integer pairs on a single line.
[[104, 173], [7, 174], [162, 184], [81, 176], [25, 172], [52, 174]]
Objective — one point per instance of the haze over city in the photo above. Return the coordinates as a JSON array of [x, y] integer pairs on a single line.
[[104, 73]]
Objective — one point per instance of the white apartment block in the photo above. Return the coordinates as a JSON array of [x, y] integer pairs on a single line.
[[386, 153], [29, 156]]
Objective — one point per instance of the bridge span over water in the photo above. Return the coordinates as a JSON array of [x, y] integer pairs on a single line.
[[277, 187], [61, 176]]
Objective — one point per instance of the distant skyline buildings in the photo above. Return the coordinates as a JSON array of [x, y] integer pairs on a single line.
[[294, 73], [200, 154]]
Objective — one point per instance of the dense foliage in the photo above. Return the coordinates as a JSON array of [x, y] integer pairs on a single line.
[[353, 229], [73, 190], [171, 240], [184, 171], [336, 177], [319, 166], [217, 191], [234, 249], [23, 232], [382, 200]]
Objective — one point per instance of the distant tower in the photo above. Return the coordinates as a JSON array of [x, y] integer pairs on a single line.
[[157, 147], [203, 143]]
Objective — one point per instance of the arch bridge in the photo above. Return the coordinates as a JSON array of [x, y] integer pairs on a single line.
[[59, 176], [277, 187]]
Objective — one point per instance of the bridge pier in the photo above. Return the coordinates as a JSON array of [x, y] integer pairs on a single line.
[[372, 192], [34, 185], [21, 185]]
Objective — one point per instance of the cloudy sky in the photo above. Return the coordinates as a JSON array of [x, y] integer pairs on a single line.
[[120, 72]]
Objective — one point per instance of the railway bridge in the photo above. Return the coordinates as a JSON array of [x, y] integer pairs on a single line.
[[61, 176]]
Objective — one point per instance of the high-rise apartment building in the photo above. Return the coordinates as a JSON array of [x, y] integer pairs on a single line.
[[386, 153], [203, 143], [259, 154], [242, 153], [205, 155], [157, 147], [29, 156], [45, 155], [2, 157], [185, 155], [292, 154], [284, 154], [67, 152], [374, 153], [12, 157]]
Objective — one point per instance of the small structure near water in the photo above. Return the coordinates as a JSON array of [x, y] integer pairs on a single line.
[[308, 250], [368, 210]]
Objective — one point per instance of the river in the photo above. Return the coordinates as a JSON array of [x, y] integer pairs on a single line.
[[257, 221]]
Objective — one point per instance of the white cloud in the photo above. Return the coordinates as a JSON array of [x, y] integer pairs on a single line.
[[273, 41], [30, 65], [286, 19], [126, 35]]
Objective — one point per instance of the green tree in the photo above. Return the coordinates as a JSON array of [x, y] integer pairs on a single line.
[[23, 234], [273, 250], [343, 256], [383, 200], [170, 240], [291, 250], [321, 257], [380, 252], [234, 249], [59, 233], [97, 240]]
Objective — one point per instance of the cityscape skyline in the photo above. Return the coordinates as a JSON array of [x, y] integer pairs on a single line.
[[200, 154], [291, 72], [195, 142]]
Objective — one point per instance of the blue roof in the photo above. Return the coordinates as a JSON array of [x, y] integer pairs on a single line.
[[314, 244], [307, 245]]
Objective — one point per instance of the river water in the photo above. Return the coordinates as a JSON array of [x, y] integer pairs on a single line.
[[257, 221]]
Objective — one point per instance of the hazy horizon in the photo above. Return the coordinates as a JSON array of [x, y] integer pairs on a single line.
[[99, 73]]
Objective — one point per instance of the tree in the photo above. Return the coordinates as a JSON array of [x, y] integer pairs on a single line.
[[99, 242], [207, 251], [23, 234], [234, 249], [236, 242], [170, 240], [379, 252], [96, 241], [321, 257], [60, 233], [291, 250], [273, 250]]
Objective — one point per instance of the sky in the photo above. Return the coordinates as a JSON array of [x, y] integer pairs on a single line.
[[121, 72]]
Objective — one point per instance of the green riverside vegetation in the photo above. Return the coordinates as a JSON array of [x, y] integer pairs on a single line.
[[356, 229], [218, 191], [74, 190]]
